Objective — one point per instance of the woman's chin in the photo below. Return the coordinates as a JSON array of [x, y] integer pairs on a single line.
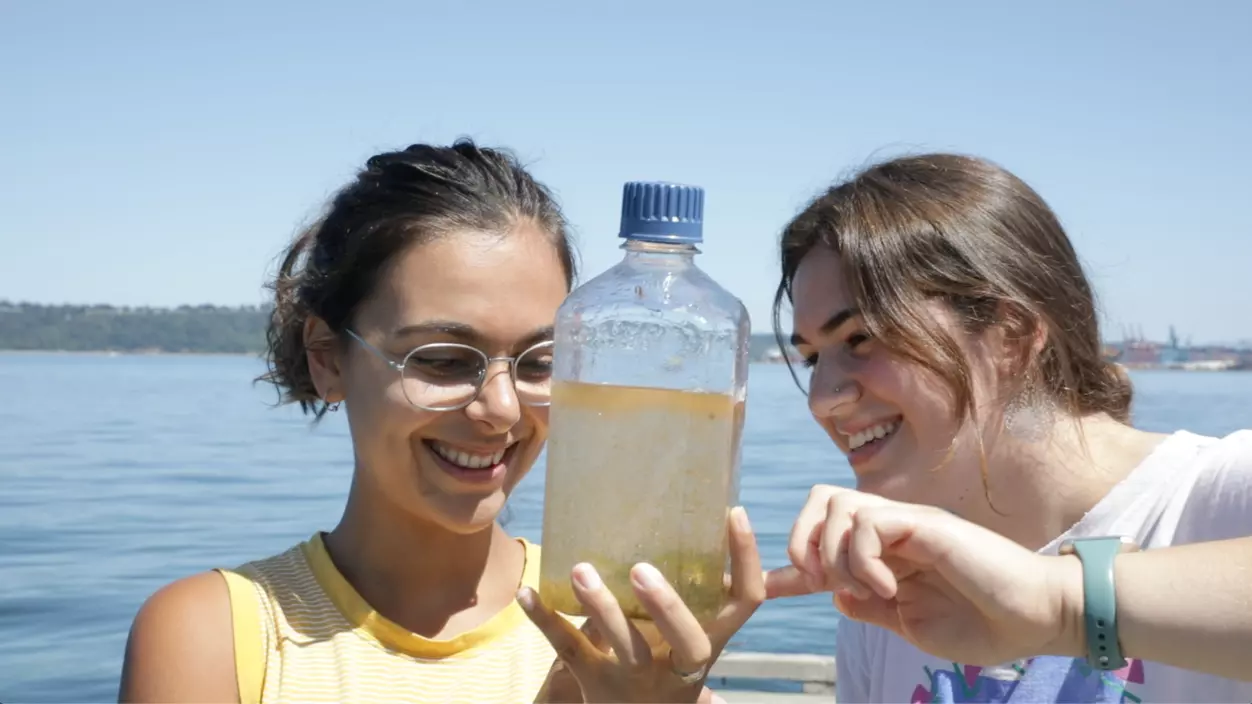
[[457, 513], [895, 487]]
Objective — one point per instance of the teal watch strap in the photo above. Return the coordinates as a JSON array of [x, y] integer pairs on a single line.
[[1100, 600]]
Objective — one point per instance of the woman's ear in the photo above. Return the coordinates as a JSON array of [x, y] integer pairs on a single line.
[[1018, 341], [321, 346]]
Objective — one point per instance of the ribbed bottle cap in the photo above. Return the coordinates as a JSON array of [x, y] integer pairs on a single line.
[[662, 212]]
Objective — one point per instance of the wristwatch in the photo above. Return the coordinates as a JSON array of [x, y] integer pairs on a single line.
[[1099, 597]]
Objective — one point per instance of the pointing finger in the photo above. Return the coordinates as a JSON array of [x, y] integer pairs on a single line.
[[786, 581]]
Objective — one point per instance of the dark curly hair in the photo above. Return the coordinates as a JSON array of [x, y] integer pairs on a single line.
[[399, 199]]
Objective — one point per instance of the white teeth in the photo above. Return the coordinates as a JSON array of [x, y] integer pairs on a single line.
[[877, 432], [465, 459]]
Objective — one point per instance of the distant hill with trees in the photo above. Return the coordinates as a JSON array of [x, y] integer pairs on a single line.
[[203, 328], [93, 328]]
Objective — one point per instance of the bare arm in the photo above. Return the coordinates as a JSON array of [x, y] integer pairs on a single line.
[[1189, 606], [181, 646], [957, 590]]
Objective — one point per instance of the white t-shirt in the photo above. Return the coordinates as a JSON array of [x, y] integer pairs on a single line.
[[1189, 489]]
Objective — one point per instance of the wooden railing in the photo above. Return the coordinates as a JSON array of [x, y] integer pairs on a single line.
[[815, 673]]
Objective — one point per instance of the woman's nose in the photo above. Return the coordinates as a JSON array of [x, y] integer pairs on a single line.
[[831, 394]]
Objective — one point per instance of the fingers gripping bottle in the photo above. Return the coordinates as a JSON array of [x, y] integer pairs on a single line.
[[648, 392]]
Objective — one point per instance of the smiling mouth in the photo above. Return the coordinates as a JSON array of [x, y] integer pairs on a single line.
[[871, 437], [468, 460]]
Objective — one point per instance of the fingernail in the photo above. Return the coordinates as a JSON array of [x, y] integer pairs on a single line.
[[587, 577], [855, 592], [739, 515], [646, 576], [526, 597]]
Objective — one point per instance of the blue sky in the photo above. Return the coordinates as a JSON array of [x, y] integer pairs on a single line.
[[163, 153]]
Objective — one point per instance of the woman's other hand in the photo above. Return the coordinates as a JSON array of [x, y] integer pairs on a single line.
[[612, 660], [950, 587]]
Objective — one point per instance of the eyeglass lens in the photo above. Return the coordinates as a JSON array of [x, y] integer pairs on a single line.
[[450, 375]]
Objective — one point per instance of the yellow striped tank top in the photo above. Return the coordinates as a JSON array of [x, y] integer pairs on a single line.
[[303, 634]]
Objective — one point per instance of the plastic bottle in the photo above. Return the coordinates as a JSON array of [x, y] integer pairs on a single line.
[[649, 386]]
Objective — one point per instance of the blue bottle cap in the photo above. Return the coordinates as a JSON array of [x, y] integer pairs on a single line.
[[662, 212]]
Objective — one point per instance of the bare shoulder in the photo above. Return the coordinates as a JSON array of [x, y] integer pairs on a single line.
[[181, 646]]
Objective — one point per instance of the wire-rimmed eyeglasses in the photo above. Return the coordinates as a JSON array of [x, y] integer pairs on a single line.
[[446, 376]]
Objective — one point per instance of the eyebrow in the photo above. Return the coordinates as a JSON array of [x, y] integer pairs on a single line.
[[542, 334], [466, 333], [828, 327]]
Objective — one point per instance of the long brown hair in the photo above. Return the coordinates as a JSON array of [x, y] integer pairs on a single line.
[[965, 231]]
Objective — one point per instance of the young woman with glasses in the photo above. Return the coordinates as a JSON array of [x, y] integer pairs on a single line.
[[422, 302]]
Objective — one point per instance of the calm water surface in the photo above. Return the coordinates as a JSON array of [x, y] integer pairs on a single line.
[[119, 474]]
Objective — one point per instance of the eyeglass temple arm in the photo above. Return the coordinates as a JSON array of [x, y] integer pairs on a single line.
[[381, 355]]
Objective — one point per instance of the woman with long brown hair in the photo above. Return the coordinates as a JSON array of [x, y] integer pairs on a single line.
[[954, 356]]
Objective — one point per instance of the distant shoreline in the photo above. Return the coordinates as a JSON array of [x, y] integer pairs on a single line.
[[1134, 367], [261, 356], [132, 353]]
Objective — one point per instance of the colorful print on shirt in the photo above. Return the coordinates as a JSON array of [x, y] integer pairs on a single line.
[[1042, 679]]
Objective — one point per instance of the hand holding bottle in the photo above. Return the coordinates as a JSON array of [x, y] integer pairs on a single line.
[[950, 587], [610, 657]]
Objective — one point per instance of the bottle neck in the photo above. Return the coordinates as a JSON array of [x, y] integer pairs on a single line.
[[659, 252]]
